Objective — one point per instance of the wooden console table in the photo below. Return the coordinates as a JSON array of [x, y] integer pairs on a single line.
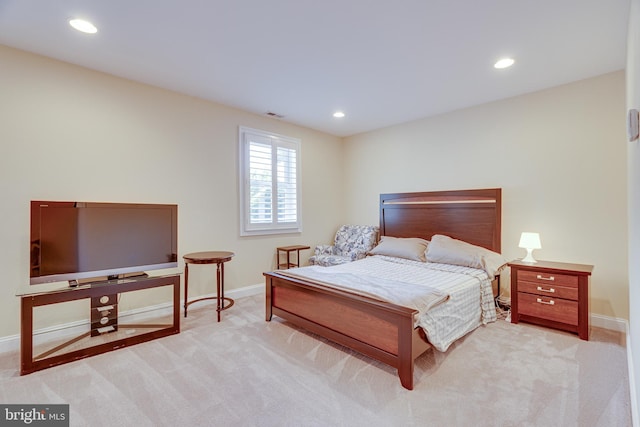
[[103, 335]]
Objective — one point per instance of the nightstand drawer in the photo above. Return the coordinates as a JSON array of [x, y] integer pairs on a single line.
[[548, 290], [556, 309], [548, 278]]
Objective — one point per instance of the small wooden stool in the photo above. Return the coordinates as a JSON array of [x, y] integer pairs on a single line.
[[288, 250], [213, 257]]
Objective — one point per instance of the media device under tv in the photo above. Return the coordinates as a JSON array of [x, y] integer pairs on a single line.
[[74, 241]]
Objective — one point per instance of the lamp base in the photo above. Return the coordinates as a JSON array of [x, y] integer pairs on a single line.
[[529, 258]]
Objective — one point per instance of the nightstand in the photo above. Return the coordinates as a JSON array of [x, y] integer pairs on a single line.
[[551, 294], [287, 250]]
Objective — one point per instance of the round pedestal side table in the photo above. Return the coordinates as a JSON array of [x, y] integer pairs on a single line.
[[210, 257]]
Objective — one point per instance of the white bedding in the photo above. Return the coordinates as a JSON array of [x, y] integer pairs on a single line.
[[455, 301]]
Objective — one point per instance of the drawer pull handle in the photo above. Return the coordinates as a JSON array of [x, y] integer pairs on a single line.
[[550, 290], [541, 277], [550, 302]]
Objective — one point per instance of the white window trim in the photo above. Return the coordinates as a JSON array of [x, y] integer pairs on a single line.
[[247, 229]]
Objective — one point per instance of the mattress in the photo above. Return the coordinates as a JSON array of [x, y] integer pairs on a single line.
[[454, 300]]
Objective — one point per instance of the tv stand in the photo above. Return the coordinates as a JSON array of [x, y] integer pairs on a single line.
[[104, 322], [104, 314]]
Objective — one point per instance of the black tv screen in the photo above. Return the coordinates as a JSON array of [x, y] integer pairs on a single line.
[[84, 240]]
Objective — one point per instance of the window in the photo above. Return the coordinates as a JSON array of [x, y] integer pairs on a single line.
[[269, 183]]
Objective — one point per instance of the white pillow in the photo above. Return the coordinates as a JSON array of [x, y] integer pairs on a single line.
[[445, 250], [402, 247]]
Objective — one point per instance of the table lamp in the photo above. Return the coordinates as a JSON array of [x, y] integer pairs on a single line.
[[529, 241]]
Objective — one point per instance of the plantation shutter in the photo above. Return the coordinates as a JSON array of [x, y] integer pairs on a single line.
[[271, 193]]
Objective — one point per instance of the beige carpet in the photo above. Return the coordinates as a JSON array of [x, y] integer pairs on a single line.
[[248, 372]]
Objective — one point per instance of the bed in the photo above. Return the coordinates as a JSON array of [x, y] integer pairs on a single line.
[[382, 330]]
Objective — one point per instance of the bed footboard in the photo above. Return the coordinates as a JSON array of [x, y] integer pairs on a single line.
[[380, 330]]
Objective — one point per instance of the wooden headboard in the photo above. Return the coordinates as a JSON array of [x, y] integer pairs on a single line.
[[470, 215]]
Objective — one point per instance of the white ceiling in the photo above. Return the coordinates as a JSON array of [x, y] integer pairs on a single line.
[[382, 62]]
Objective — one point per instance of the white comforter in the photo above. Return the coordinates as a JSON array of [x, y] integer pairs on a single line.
[[451, 300]]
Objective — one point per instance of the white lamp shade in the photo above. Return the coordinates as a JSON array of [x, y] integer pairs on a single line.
[[529, 241]]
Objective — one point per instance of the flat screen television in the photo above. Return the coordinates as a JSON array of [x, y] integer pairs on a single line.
[[72, 241]]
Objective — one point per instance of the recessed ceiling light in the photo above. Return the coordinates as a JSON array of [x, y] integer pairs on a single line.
[[84, 26], [504, 63], [338, 114]]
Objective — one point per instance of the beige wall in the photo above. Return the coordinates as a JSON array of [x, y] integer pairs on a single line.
[[68, 133], [559, 155], [633, 101]]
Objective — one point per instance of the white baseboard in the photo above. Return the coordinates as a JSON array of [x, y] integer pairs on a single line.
[[12, 342], [633, 393], [610, 323], [621, 325]]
